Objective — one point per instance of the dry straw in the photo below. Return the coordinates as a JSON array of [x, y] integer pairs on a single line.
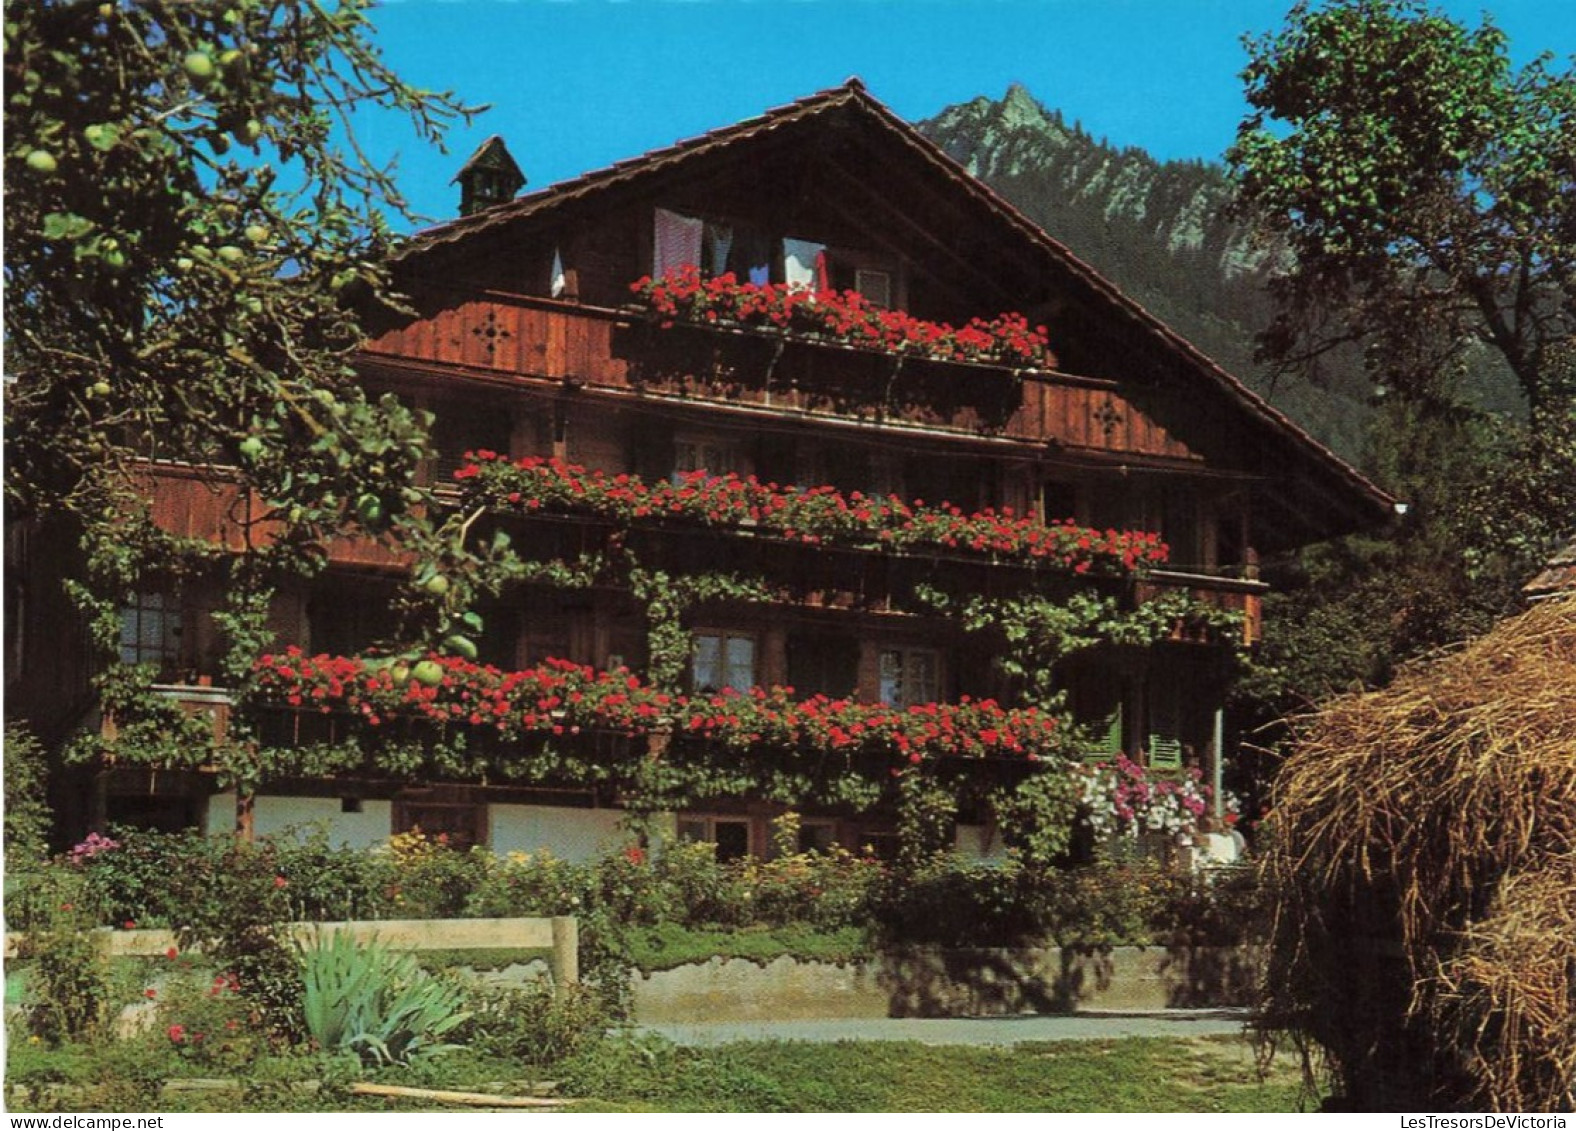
[[1424, 863]]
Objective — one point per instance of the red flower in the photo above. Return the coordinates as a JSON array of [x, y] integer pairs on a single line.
[[176, 1033], [172, 953]]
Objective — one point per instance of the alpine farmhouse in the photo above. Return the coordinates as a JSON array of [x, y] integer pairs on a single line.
[[769, 409]]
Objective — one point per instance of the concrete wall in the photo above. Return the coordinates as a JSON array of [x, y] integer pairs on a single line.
[[576, 835], [273, 816], [929, 982]]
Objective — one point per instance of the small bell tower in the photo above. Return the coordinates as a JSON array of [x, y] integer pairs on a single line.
[[489, 177]]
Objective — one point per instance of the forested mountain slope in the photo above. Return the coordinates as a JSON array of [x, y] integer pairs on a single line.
[[1160, 232]]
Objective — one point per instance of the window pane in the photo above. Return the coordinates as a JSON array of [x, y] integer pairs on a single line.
[[875, 286], [891, 678], [692, 829], [733, 840], [920, 683], [150, 631], [706, 673], [815, 838], [741, 662]]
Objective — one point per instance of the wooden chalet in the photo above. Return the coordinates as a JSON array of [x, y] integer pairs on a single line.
[[527, 340]]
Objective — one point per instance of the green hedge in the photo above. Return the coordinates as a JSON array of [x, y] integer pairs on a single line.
[[152, 879]]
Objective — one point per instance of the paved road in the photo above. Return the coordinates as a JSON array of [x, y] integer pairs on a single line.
[[967, 1031]]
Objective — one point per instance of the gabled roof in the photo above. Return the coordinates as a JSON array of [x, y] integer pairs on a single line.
[[852, 97]]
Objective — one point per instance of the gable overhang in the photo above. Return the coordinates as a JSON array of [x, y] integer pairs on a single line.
[[1311, 493]]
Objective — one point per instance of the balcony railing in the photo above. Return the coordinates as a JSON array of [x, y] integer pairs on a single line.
[[200, 502], [495, 334], [1229, 594], [199, 699]]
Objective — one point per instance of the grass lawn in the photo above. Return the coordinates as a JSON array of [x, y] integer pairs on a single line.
[[647, 1074], [1205, 1074]]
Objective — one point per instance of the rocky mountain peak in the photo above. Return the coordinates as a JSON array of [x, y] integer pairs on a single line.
[[1159, 230]]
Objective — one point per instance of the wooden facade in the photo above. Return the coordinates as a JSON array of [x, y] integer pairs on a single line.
[[518, 331]]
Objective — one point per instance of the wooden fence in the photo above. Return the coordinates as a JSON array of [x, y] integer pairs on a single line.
[[560, 934]]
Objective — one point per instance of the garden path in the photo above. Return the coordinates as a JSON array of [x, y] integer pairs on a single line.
[[1084, 1026]]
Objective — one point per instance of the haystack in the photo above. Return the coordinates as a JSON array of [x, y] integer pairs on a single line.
[[1424, 861]]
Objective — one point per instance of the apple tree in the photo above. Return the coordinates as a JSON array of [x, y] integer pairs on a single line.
[[190, 229]]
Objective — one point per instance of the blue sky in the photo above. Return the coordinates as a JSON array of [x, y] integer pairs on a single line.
[[578, 84]]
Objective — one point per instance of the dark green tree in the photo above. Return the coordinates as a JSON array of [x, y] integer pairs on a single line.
[[1425, 189]]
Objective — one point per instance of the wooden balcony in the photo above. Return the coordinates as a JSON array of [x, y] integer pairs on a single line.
[[496, 336], [1230, 594], [200, 503], [199, 699]]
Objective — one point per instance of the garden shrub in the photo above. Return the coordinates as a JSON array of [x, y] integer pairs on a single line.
[[328, 883], [430, 880], [951, 904], [705, 889], [238, 919], [1100, 905], [530, 1024], [72, 995], [205, 1022], [526, 884], [631, 891], [148, 879], [27, 813], [234, 897]]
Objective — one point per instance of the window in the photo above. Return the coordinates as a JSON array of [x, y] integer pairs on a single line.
[[458, 428], [1095, 695], [723, 660], [1059, 501], [817, 836], [345, 616], [875, 286], [823, 665], [678, 242], [714, 457], [730, 835], [885, 476], [456, 824], [710, 245], [909, 677], [150, 631]]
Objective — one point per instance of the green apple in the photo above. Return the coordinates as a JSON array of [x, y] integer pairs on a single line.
[[199, 66], [42, 161], [461, 646], [428, 673], [370, 509]]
